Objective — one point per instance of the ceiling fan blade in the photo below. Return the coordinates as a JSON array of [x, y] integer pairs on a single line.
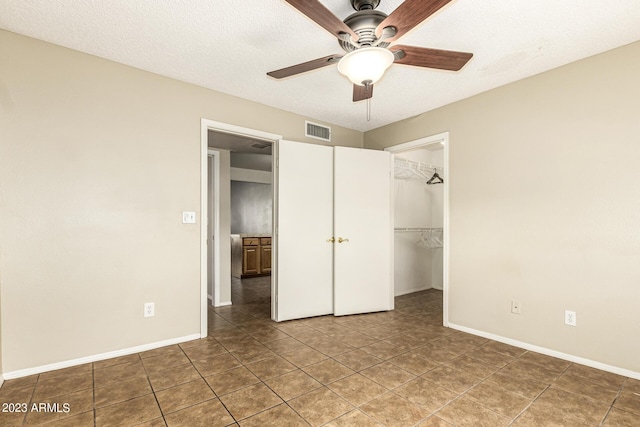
[[361, 92], [304, 67], [431, 58], [408, 15], [322, 16]]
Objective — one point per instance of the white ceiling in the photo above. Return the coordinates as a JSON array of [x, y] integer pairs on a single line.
[[229, 46]]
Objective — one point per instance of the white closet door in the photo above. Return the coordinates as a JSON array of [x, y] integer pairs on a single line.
[[304, 222], [363, 273]]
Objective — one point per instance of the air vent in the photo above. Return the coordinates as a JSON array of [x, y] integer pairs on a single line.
[[260, 145], [314, 130]]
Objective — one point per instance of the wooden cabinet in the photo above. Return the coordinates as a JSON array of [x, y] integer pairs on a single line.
[[265, 255], [250, 256]]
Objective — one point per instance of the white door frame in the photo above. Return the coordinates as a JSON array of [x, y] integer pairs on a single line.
[[205, 126], [441, 138]]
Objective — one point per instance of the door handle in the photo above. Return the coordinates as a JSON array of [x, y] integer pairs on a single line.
[[340, 240], [331, 240]]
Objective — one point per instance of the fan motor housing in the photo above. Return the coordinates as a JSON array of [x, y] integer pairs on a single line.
[[364, 24]]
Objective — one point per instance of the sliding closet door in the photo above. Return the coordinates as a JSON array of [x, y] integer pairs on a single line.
[[303, 223], [363, 274]]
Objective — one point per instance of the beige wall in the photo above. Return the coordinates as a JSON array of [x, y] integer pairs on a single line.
[[97, 162], [545, 206]]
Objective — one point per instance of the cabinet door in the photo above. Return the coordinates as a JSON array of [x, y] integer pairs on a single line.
[[265, 259], [303, 273], [363, 269], [250, 260]]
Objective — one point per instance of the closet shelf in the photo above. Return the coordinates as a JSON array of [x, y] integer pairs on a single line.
[[409, 169], [414, 229]]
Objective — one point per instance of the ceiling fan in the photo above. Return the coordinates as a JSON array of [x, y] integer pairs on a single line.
[[366, 37]]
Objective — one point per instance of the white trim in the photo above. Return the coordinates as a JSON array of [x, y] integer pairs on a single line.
[[549, 352], [216, 224], [412, 290], [97, 357], [1, 380], [441, 138], [205, 126], [223, 304]]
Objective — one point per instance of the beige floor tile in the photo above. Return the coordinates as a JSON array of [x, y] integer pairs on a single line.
[[552, 364], [414, 363], [327, 371], [357, 360], [160, 363], [85, 368], [384, 350], [465, 412], [120, 391], [119, 372], [231, 380], [249, 401], [320, 406], [505, 349], [156, 422], [58, 386], [304, 356], [84, 419], [577, 384], [175, 398], [528, 369], [490, 357], [131, 412], [388, 375], [606, 379], [472, 367], [631, 384], [434, 353], [278, 416], [210, 413], [171, 377], [394, 411], [215, 364], [498, 399], [426, 394], [130, 358], [292, 384], [628, 401], [357, 389], [618, 418], [271, 367], [434, 421], [162, 351], [559, 407], [355, 418], [452, 379], [285, 345], [202, 351], [523, 386]]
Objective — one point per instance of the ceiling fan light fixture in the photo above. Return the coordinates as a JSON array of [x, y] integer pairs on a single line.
[[367, 64]]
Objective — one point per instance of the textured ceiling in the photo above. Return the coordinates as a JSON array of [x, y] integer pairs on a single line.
[[229, 45]]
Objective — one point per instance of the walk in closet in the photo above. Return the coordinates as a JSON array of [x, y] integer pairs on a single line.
[[418, 219]]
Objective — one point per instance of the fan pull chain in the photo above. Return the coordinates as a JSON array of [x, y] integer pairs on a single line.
[[368, 109]]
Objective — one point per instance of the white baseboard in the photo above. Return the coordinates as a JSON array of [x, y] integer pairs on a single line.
[[412, 290], [1, 380], [223, 304], [94, 358], [549, 352], [209, 296]]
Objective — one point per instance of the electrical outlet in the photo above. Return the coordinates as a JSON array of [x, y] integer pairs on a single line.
[[149, 309], [570, 318], [515, 306]]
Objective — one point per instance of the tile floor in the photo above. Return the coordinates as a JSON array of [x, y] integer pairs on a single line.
[[400, 368]]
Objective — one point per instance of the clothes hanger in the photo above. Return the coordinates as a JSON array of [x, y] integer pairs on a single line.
[[435, 179]]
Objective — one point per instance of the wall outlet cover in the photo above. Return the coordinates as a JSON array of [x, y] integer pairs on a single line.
[[516, 307], [570, 318]]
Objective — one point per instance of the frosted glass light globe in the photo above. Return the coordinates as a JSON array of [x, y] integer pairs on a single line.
[[367, 64]]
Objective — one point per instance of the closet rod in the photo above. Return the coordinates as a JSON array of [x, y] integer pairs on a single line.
[[414, 229]]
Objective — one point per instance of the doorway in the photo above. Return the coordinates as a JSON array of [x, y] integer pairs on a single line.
[[215, 271], [422, 224]]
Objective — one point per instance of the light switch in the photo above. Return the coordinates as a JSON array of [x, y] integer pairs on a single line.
[[188, 217]]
